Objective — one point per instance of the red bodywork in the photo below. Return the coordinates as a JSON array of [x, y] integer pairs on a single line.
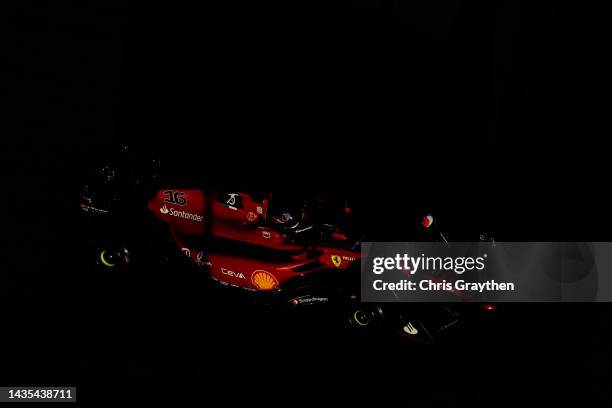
[[239, 218]]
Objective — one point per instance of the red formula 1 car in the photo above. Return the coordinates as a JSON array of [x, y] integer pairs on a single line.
[[283, 253]]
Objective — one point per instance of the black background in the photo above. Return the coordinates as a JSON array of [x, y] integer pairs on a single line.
[[485, 112]]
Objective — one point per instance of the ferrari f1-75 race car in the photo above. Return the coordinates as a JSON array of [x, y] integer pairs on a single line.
[[283, 250]]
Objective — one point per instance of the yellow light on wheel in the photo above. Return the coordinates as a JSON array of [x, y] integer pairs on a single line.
[[105, 261]]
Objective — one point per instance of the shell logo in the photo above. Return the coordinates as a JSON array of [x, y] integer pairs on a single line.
[[264, 280]]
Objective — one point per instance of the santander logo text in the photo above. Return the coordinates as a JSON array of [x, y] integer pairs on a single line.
[[181, 214]]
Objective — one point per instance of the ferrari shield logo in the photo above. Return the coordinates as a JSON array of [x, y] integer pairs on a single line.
[[336, 260]]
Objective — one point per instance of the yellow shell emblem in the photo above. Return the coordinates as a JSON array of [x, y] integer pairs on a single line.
[[337, 260], [264, 280]]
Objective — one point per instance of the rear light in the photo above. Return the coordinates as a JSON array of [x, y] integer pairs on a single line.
[[489, 307]]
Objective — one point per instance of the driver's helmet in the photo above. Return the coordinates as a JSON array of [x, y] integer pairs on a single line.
[[285, 220]]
